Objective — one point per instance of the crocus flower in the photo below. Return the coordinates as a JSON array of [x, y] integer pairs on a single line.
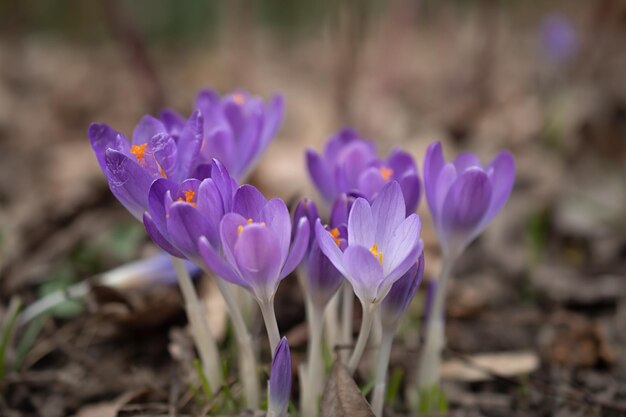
[[464, 196], [256, 239], [280, 380], [131, 167], [179, 214], [382, 244], [350, 165], [322, 279], [394, 305], [238, 127], [558, 38]]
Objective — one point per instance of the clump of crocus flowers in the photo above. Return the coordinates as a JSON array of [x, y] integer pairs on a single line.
[[181, 178]]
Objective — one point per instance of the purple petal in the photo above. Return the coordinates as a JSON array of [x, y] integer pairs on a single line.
[[276, 216], [401, 243], [388, 211], [147, 127], [248, 202], [257, 253], [411, 190], [501, 172], [166, 154], [219, 144], [363, 271], [217, 264], [209, 203], [339, 141], [323, 278], [189, 144], [466, 160], [402, 292], [465, 206], [306, 208], [229, 233], [433, 164], [172, 121], [128, 182], [158, 238], [446, 180], [411, 257], [361, 226], [103, 137], [185, 225], [280, 380], [298, 249], [226, 184], [274, 113], [329, 247], [401, 163], [156, 201], [371, 182], [341, 210], [321, 175], [353, 159]]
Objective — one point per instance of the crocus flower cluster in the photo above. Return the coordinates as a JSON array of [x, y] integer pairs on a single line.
[[180, 176], [350, 165]]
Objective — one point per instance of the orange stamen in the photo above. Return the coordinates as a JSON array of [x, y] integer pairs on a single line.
[[376, 253], [335, 234], [239, 229], [189, 196], [239, 98], [138, 151], [386, 173]]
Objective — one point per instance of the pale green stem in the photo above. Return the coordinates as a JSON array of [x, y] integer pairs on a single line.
[[269, 317], [378, 397], [430, 361], [247, 357], [347, 308], [314, 367], [331, 319], [202, 336], [366, 325]]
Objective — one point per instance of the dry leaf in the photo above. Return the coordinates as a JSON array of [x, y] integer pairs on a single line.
[[482, 367], [342, 397]]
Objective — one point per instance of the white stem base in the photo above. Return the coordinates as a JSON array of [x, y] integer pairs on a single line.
[[347, 309], [378, 397]]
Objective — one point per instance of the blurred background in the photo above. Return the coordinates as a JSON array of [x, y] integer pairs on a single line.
[[545, 79]]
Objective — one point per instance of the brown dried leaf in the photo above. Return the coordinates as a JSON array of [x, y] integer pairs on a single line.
[[342, 396]]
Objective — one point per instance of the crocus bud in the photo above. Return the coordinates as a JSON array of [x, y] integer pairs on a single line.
[[280, 380], [464, 196], [402, 292]]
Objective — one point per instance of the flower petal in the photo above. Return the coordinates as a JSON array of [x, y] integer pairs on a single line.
[[229, 233], [257, 253], [128, 182], [361, 226], [323, 278], [156, 202], [276, 215], [501, 172], [217, 264], [401, 163], [329, 247], [147, 127], [388, 211], [433, 164], [466, 160], [158, 238], [103, 137], [298, 248], [404, 239], [364, 272], [172, 121], [274, 113], [185, 225], [321, 175], [248, 202], [402, 292], [189, 143], [370, 182], [411, 190]]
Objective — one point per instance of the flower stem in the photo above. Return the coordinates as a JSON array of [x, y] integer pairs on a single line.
[[378, 398], [430, 361], [269, 317], [347, 308], [331, 322], [247, 358], [366, 325], [202, 336], [314, 365]]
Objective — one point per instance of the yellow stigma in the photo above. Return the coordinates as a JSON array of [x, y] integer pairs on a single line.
[[239, 229], [386, 173], [376, 253], [239, 98], [335, 234], [189, 196], [138, 151], [249, 221]]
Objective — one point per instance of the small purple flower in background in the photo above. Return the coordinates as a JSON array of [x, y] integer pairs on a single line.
[[280, 380], [321, 278], [350, 165], [558, 38], [179, 214], [464, 196], [131, 167], [383, 243], [238, 127], [394, 305]]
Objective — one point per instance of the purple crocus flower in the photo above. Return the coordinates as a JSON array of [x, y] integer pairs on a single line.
[[280, 380], [383, 243], [238, 127], [350, 165], [179, 214], [255, 239], [558, 38], [464, 196], [322, 279], [131, 167], [394, 305]]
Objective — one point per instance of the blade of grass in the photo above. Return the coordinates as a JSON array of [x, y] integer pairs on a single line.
[[7, 332]]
